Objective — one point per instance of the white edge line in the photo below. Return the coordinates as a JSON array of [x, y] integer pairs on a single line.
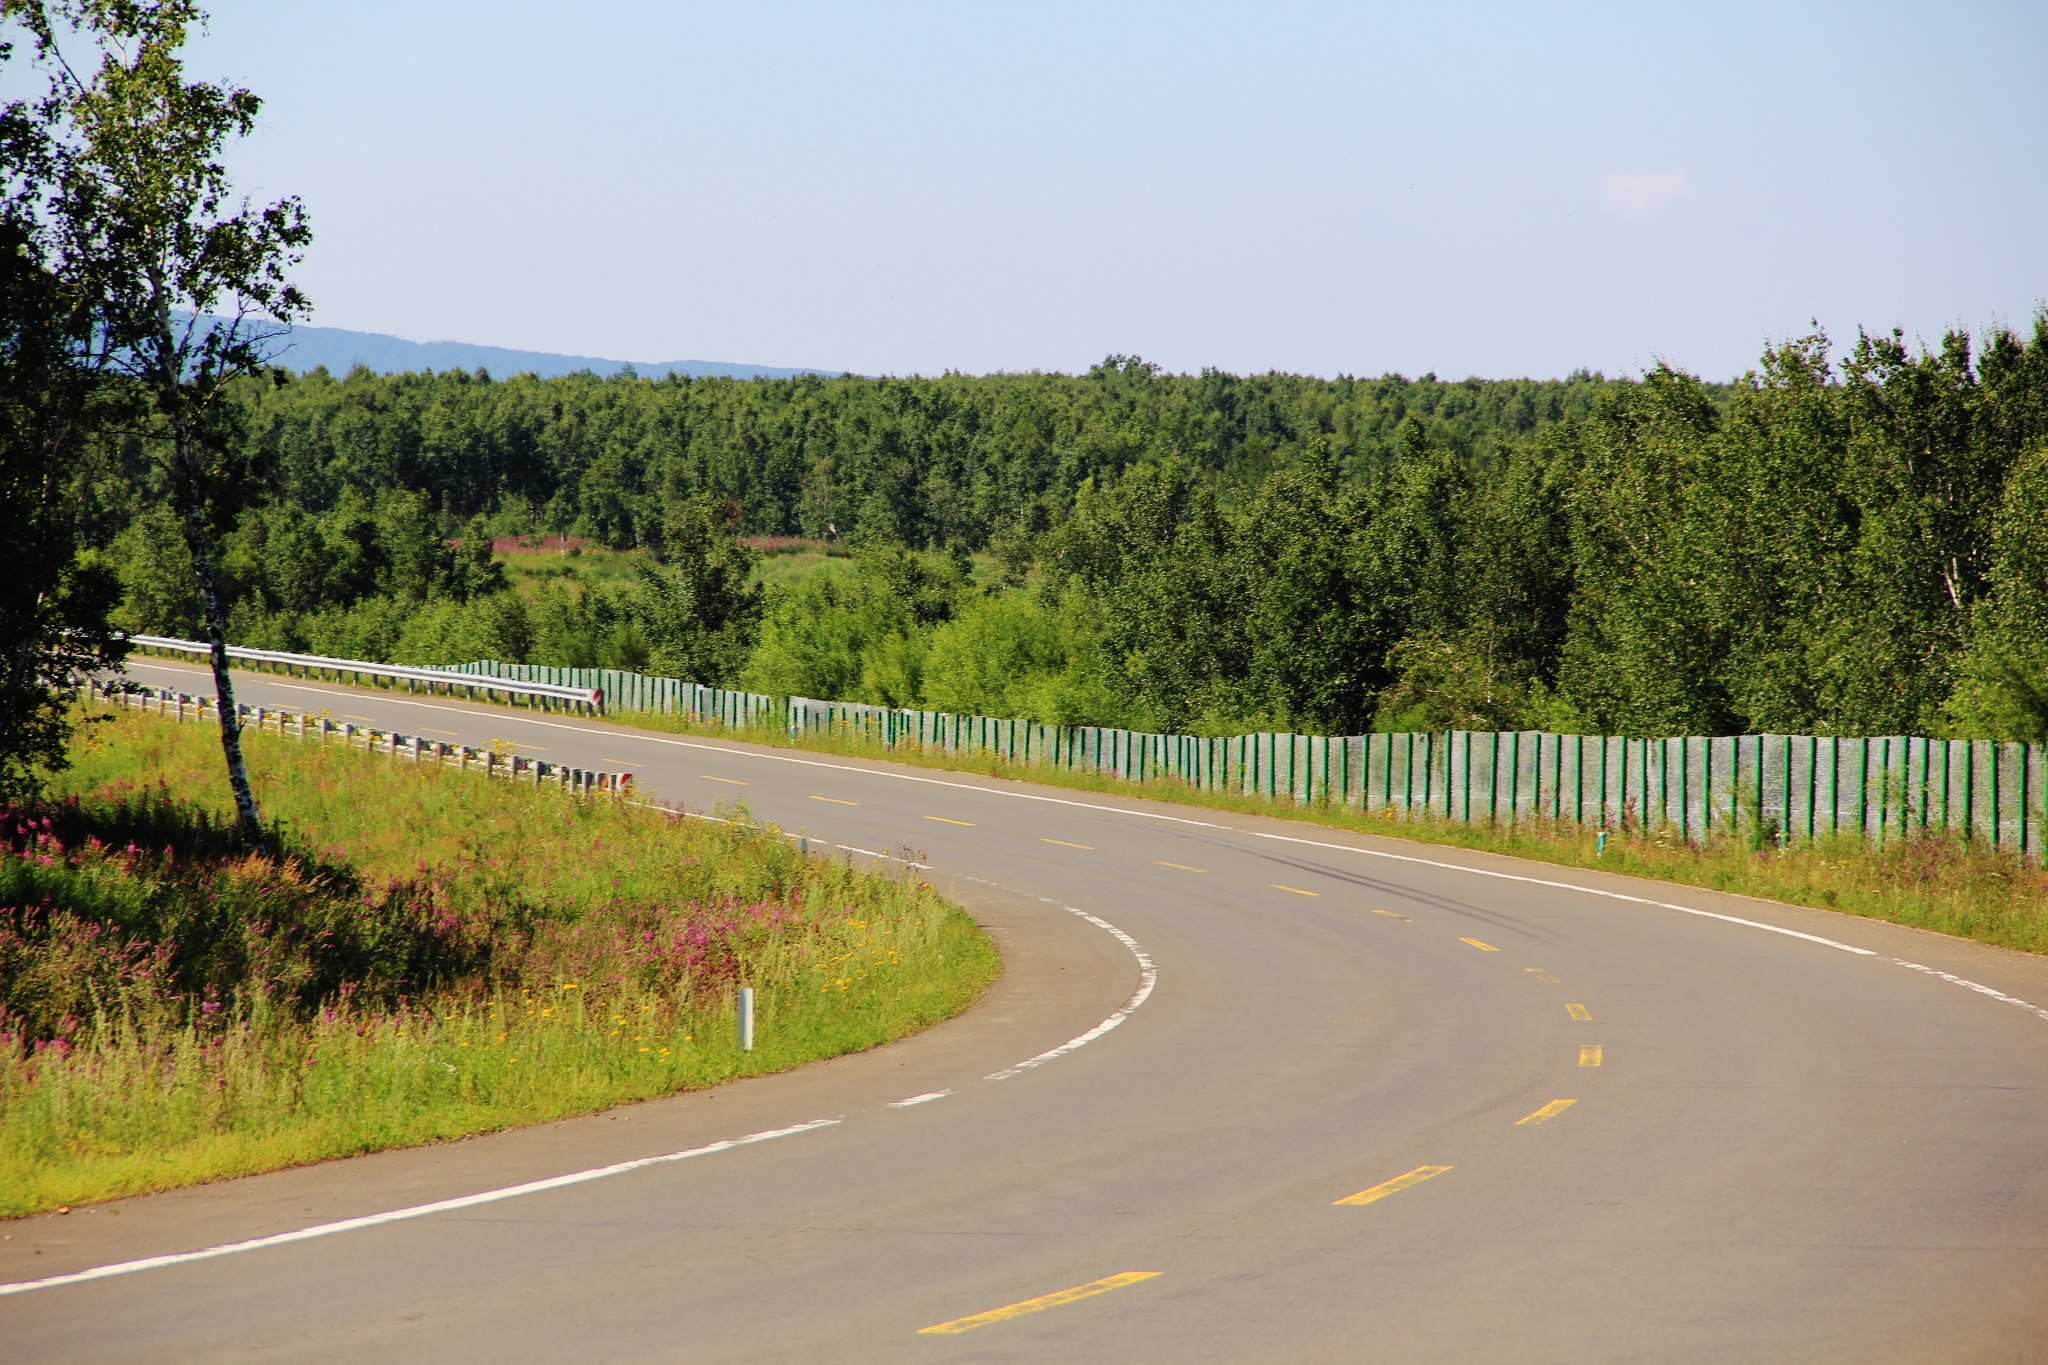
[[801, 837], [466, 1201], [1981, 989], [926, 1098], [1210, 824], [1148, 977]]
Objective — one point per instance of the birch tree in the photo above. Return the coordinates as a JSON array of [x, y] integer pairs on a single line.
[[187, 282]]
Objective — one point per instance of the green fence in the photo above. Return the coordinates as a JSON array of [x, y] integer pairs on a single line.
[[1790, 786]]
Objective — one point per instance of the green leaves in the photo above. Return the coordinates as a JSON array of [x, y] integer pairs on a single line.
[[140, 228], [54, 602], [2003, 676], [697, 608]]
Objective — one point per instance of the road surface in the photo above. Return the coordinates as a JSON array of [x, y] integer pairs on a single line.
[[1357, 1100]]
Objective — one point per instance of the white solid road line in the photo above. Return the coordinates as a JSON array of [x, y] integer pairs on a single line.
[[1148, 977], [466, 1201], [1978, 987], [798, 836], [926, 1098], [1548, 882]]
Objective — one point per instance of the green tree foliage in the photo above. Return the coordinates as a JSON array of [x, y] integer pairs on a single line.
[[1315, 663], [927, 463], [696, 606], [1026, 652], [1154, 552], [1808, 555], [858, 634], [54, 602], [1826, 545], [1643, 651], [146, 233], [2004, 687]]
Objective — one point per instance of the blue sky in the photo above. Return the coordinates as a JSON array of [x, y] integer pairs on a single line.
[[1491, 190]]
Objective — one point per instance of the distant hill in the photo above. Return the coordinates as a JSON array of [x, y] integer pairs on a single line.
[[341, 350]]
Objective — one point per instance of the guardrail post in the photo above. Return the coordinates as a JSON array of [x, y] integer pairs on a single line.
[[746, 1019]]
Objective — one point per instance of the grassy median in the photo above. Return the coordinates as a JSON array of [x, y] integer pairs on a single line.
[[431, 955]]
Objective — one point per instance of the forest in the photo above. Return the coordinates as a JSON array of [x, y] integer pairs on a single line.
[[1842, 541]]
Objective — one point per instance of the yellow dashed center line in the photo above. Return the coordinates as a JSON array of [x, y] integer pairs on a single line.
[[425, 731], [1579, 1012], [729, 781], [835, 801], [1394, 1186], [1042, 1302], [1545, 977], [1185, 868], [944, 821], [1392, 915], [1295, 889], [1064, 844], [1547, 1112], [1482, 947], [1589, 1055], [365, 719]]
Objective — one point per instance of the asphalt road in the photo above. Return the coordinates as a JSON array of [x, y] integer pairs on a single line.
[[1583, 1125]]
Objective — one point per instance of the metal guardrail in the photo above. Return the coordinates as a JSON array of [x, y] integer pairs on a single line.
[[289, 724], [591, 698]]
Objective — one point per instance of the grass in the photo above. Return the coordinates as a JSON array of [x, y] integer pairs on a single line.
[[572, 560], [1933, 882], [432, 955], [1940, 883], [790, 567]]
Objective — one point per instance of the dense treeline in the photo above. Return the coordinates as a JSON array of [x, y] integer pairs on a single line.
[[930, 463], [1862, 551], [1860, 547], [374, 476]]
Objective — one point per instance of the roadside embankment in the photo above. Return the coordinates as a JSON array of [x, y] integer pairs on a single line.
[[429, 955]]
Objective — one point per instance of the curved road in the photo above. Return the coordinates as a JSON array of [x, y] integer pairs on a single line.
[[1382, 1102]]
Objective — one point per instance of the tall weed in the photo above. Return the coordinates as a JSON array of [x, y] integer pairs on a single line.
[[430, 955]]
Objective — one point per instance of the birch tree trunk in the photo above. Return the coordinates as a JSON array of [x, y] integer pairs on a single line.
[[198, 543]]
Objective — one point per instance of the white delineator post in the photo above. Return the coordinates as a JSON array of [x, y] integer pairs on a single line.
[[746, 1018]]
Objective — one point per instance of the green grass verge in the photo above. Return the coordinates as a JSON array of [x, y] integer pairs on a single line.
[[433, 955], [1940, 883]]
